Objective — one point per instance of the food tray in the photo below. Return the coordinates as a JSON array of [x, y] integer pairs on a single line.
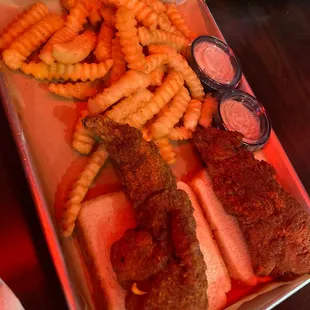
[[42, 126]]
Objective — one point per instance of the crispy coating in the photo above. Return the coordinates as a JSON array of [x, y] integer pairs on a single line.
[[142, 169], [270, 218], [161, 255]]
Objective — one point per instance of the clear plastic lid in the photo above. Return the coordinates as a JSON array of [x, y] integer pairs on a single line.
[[239, 111], [215, 63]]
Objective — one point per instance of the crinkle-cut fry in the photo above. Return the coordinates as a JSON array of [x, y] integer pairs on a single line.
[[83, 140], [157, 76], [81, 90], [146, 133], [104, 43], [156, 5], [161, 49], [62, 35], [79, 190], [166, 150], [22, 23], [23, 46], [157, 36], [179, 64], [68, 4], [162, 126], [76, 50], [162, 96], [130, 82], [78, 14], [144, 13], [119, 65], [128, 33], [177, 20], [108, 15], [192, 114], [155, 61], [129, 105], [94, 17], [180, 133], [208, 108], [79, 71], [165, 24]]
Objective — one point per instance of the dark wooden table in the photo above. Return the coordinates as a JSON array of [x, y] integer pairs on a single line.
[[272, 39]]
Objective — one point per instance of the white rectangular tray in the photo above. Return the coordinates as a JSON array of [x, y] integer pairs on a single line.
[[42, 125]]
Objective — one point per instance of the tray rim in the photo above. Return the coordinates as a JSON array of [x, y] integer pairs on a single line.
[[46, 222]]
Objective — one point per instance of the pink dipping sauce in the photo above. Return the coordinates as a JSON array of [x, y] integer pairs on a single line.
[[238, 117], [214, 62]]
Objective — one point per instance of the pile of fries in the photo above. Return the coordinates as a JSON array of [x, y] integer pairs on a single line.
[[126, 57]]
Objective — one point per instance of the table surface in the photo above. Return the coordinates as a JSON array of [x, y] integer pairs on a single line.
[[272, 40]]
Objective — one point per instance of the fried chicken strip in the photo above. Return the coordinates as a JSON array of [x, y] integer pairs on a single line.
[[275, 226], [161, 255]]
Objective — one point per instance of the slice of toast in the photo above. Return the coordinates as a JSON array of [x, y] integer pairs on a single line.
[[226, 231], [101, 222], [217, 274]]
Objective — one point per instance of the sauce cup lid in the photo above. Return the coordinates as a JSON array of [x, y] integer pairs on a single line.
[[209, 64], [239, 111]]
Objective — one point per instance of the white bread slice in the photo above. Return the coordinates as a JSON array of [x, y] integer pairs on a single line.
[[102, 221], [217, 274], [226, 231]]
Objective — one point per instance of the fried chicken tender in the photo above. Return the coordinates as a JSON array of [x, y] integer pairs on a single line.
[[180, 133], [104, 43], [22, 23], [79, 190], [83, 140], [163, 125], [62, 35], [144, 14], [23, 46], [119, 65], [177, 20], [157, 36], [81, 91], [76, 50], [142, 168], [83, 72], [162, 253], [127, 31], [162, 96], [192, 115], [130, 82], [129, 105]]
